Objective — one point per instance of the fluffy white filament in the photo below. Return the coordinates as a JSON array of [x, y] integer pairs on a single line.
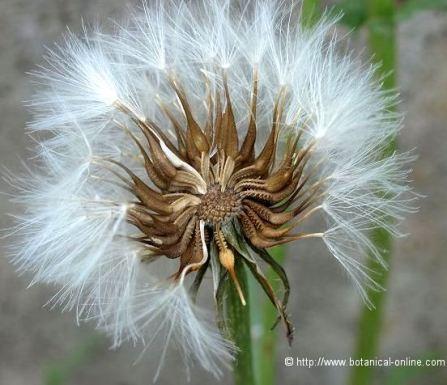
[[72, 231]]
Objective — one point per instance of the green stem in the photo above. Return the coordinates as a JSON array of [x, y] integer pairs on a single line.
[[238, 322], [265, 367], [381, 26]]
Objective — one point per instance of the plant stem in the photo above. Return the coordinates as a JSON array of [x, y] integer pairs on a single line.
[[239, 326], [266, 368], [381, 25]]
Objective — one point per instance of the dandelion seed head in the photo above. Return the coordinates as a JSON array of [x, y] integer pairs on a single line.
[[194, 135]]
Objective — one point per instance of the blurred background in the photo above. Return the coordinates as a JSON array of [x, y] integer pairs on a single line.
[[42, 346]]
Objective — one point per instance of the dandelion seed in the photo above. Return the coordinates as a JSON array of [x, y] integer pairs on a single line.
[[199, 134]]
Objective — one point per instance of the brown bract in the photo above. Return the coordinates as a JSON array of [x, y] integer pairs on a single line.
[[208, 178]]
